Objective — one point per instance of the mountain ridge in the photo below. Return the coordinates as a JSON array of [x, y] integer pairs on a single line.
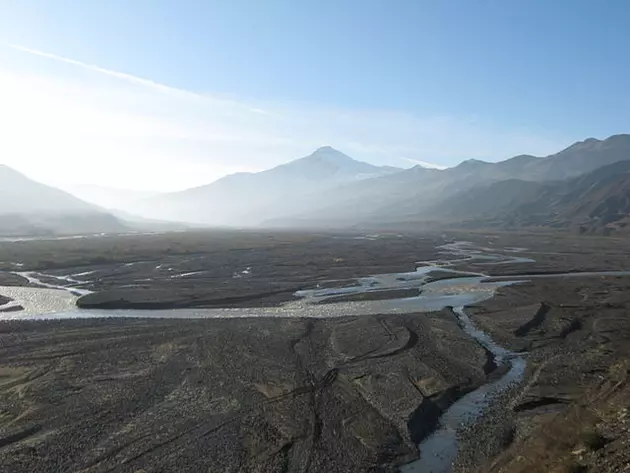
[[237, 199], [330, 189], [28, 207], [415, 195]]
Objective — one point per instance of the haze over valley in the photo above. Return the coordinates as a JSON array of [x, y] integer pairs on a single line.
[[582, 188], [314, 236]]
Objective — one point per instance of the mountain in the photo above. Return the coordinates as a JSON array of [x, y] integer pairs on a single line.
[[19, 194], [486, 200], [472, 189], [579, 158], [583, 157], [247, 199], [28, 207], [329, 189], [410, 195], [365, 202], [327, 164], [596, 202]]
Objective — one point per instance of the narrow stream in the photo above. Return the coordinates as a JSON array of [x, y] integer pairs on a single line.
[[32, 278], [440, 449]]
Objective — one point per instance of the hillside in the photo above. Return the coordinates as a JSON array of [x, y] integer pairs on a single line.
[[597, 202], [30, 208], [19, 194]]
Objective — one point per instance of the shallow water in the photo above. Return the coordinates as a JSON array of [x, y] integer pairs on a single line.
[[440, 449], [32, 278]]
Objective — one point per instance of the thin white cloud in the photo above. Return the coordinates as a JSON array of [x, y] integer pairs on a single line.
[[121, 75], [115, 129], [425, 164]]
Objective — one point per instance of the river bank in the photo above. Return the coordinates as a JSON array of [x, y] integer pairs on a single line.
[[576, 334]]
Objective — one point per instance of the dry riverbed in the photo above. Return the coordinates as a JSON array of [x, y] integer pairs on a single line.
[[267, 394]]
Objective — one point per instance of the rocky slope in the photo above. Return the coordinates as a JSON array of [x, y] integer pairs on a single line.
[[597, 202]]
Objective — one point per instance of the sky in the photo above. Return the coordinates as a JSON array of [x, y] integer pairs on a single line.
[[165, 94]]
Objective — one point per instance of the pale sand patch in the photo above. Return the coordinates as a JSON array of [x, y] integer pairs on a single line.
[[37, 301]]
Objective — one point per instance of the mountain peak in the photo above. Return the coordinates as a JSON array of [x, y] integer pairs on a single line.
[[621, 140], [471, 163], [325, 149], [587, 143], [329, 153]]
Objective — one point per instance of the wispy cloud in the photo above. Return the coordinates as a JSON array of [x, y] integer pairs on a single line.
[[118, 75], [425, 164], [123, 76], [112, 128]]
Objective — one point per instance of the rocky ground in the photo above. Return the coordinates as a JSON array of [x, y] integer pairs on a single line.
[[211, 269], [295, 395], [259, 395], [571, 413]]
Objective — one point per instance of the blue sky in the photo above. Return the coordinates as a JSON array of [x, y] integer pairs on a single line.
[[212, 87]]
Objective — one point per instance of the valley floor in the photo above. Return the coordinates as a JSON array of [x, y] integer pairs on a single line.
[[344, 394]]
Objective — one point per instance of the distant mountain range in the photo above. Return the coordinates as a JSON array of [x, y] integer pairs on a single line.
[[585, 187], [596, 202], [328, 189], [28, 207], [481, 193], [248, 199]]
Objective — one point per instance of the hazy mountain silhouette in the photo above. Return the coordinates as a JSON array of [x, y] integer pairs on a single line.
[[245, 199], [593, 202], [330, 189], [28, 207], [486, 200], [470, 190], [583, 157], [19, 194], [585, 186], [598, 201], [579, 158]]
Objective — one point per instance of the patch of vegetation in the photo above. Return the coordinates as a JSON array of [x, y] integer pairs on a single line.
[[593, 440]]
